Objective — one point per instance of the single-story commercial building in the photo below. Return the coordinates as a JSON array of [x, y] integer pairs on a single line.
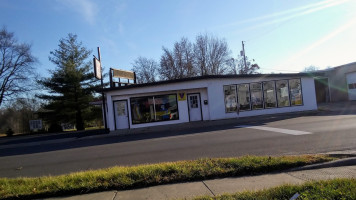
[[207, 98], [336, 84]]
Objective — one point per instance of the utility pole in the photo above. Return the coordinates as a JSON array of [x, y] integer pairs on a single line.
[[243, 49], [102, 89]]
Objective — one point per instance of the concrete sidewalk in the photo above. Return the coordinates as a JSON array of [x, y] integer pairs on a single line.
[[230, 185]]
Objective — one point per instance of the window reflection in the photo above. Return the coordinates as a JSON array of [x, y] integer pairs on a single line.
[[230, 98], [154, 108], [256, 96], [295, 92], [243, 95], [282, 93], [269, 93]]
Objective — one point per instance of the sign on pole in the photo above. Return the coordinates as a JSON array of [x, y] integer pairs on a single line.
[[118, 73], [97, 68], [35, 124]]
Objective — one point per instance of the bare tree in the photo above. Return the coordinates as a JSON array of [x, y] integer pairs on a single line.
[[167, 69], [17, 115], [211, 55], [145, 69], [183, 55], [16, 66], [311, 68], [251, 67], [178, 63]]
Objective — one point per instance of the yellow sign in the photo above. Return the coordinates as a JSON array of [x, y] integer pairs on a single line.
[[182, 96]]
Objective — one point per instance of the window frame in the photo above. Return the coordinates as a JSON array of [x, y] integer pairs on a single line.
[[224, 99], [301, 92]]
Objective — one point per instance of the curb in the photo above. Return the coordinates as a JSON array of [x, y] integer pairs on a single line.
[[337, 163], [36, 143]]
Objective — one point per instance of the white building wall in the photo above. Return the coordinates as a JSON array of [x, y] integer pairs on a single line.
[[182, 105], [211, 90]]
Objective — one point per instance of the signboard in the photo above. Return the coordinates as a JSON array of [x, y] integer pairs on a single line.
[[35, 124], [182, 96], [123, 74], [97, 68]]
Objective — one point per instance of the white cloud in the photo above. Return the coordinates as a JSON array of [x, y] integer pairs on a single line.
[[86, 8]]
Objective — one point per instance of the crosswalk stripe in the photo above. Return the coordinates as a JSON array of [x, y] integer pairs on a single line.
[[279, 130]]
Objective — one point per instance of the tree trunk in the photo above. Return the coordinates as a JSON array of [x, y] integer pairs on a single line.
[[79, 120]]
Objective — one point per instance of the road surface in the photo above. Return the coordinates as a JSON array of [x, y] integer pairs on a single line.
[[279, 136]]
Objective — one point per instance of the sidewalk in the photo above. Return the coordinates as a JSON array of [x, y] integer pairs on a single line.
[[344, 168]]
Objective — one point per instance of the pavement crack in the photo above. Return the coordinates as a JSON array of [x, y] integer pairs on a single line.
[[208, 188], [115, 195], [297, 177]]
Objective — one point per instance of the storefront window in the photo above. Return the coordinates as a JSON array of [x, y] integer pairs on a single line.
[[269, 94], [166, 107], [243, 94], [282, 93], [154, 108], [295, 90], [142, 110], [256, 96], [230, 98]]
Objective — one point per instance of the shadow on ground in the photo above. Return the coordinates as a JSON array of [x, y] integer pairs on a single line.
[[92, 138]]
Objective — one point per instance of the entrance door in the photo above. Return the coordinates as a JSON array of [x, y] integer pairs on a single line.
[[121, 114], [351, 85], [194, 107]]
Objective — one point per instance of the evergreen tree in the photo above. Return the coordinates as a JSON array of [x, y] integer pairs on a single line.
[[71, 85]]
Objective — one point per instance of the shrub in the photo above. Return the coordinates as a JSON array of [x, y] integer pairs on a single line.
[[9, 132]]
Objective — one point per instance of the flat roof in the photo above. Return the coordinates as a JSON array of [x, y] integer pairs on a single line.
[[210, 77]]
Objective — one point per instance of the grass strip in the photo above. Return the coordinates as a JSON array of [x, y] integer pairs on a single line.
[[331, 189], [120, 178]]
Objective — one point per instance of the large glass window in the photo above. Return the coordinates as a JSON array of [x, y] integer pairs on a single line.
[[282, 93], [295, 90], [166, 107], [243, 94], [256, 96], [154, 108], [269, 94], [230, 98]]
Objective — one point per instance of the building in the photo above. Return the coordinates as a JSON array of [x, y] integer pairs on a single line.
[[336, 84], [207, 98]]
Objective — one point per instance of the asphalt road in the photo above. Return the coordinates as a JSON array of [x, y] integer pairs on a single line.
[[63, 155]]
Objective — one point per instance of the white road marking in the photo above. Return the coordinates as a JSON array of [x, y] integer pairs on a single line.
[[279, 130]]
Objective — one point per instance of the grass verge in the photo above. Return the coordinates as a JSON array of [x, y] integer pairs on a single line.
[[120, 178], [330, 189]]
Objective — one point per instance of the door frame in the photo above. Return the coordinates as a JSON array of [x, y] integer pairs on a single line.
[[127, 109], [201, 111]]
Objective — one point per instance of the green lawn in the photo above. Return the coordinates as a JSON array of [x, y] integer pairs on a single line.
[[121, 178]]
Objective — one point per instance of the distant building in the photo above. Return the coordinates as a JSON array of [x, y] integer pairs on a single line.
[[336, 84], [208, 98]]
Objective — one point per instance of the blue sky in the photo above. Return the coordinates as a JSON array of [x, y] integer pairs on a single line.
[[281, 35]]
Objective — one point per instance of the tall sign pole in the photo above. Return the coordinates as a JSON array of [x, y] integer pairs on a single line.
[[102, 89]]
